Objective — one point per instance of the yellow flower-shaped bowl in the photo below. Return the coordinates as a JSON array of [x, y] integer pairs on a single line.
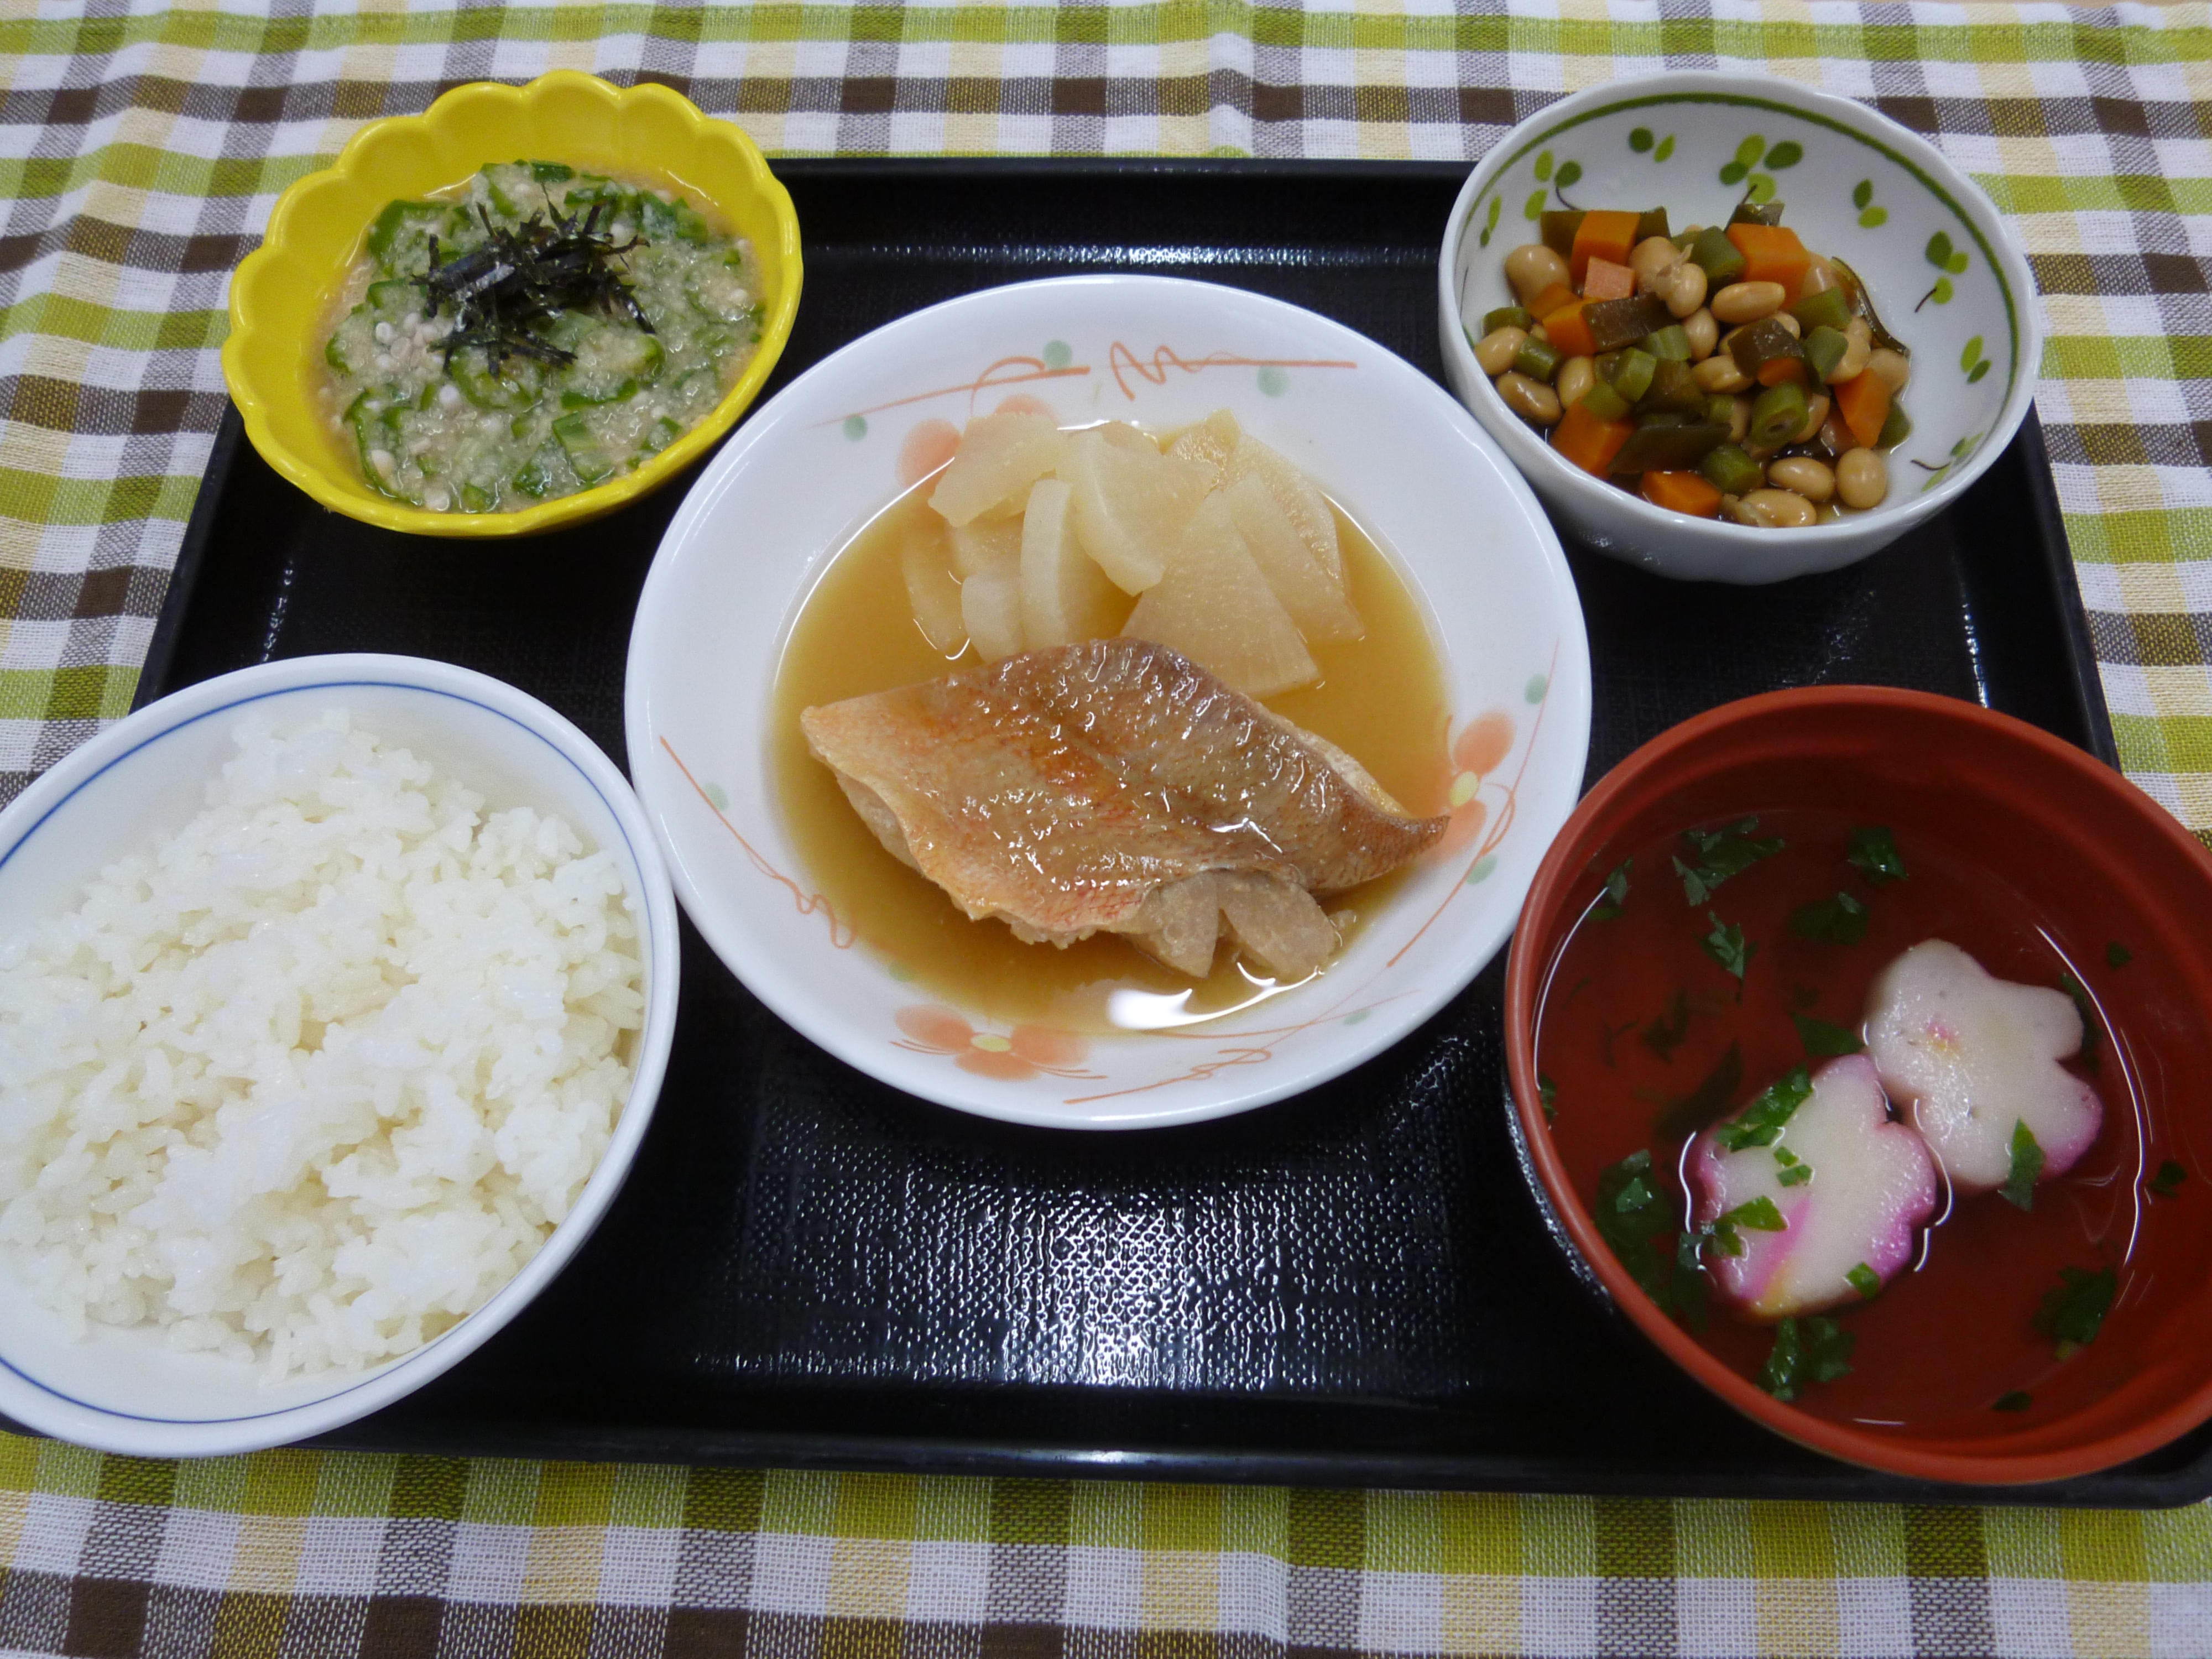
[[280, 299]]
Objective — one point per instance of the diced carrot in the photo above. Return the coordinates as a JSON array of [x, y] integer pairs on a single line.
[[1603, 234], [1590, 442], [1682, 492], [1605, 280], [1558, 297], [1570, 330], [1772, 253], [1863, 403], [1777, 371]]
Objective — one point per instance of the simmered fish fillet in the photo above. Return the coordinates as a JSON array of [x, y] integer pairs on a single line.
[[1115, 786]]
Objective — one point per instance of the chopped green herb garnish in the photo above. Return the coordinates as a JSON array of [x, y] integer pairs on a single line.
[[1838, 921], [1633, 1217], [1795, 1176], [1547, 1092], [1684, 1117], [2016, 1400], [2117, 955], [2026, 1167], [1758, 1214], [1785, 1156], [1616, 893], [1865, 1280], [1725, 944], [1812, 1351], [1607, 1033], [1821, 1037], [2072, 1313], [1580, 986], [1760, 1123], [1721, 853], [2087, 1010], [1664, 1034], [1874, 853], [2167, 1181]]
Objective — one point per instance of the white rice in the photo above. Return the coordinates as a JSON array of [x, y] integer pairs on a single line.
[[310, 1079]]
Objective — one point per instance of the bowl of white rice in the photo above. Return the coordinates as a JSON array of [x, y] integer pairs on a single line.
[[335, 996]]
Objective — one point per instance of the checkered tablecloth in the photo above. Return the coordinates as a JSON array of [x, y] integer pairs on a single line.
[[141, 150]]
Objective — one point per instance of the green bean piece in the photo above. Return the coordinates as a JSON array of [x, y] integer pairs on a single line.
[[475, 498], [1538, 359], [1631, 374], [1652, 223], [1507, 317], [1777, 415], [1674, 391], [1717, 256], [1824, 349], [1720, 406], [334, 355], [1670, 344], [1896, 427], [1608, 404], [1826, 309], [1730, 471], [1558, 228]]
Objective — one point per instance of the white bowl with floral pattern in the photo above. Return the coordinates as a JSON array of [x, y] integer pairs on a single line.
[[1939, 264], [844, 439]]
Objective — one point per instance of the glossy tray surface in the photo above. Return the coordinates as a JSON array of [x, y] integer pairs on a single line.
[[1353, 1287]]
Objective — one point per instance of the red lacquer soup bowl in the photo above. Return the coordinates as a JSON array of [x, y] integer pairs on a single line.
[[1715, 919]]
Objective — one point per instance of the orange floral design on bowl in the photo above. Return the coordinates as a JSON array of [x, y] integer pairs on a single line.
[[1480, 749], [1016, 1056]]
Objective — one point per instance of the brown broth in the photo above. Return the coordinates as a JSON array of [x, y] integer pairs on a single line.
[[1953, 1333], [1381, 698]]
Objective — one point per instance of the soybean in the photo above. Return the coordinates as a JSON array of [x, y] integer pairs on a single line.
[[1859, 347], [1532, 400], [1532, 268], [1894, 368], [1650, 256], [1704, 333], [1746, 302], [1497, 349], [1774, 509], [1681, 288], [1861, 479], [1576, 375], [1804, 476], [1718, 373]]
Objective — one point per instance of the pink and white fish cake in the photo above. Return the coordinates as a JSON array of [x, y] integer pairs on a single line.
[[1850, 1185], [1969, 1057]]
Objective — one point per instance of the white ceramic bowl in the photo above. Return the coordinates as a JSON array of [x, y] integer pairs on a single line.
[[808, 469], [126, 1390], [1942, 268]]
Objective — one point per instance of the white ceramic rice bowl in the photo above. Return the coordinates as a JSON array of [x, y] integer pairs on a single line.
[[126, 1390], [809, 469], [1859, 186]]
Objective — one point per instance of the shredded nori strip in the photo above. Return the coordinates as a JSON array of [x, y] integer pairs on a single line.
[[522, 279]]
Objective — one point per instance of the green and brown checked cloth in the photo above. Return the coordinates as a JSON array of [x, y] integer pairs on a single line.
[[142, 150]]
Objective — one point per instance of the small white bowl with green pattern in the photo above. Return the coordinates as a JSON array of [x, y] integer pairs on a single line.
[[1945, 275]]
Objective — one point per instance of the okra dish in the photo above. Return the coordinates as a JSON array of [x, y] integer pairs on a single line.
[[534, 332], [1724, 371]]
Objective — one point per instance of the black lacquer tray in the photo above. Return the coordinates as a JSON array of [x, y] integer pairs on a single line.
[[1350, 1288]]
